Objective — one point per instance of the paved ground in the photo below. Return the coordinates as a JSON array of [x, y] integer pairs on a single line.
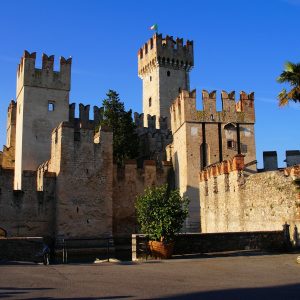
[[241, 277]]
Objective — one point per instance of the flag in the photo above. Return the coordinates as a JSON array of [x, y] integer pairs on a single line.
[[154, 27]]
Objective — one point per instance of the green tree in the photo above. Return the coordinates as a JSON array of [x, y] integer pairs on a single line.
[[290, 75], [125, 139], [161, 212]]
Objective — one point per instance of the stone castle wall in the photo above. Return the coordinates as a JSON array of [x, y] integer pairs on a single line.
[[232, 200], [129, 182], [83, 165], [153, 140], [28, 212]]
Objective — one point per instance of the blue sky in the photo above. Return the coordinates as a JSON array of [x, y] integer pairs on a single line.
[[238, 45]]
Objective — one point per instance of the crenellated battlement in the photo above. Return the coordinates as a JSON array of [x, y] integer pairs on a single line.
[[149, 170], [29, 75], [153, 139], [224, 167], [84, 111], [151, 120], [165, 52], [183, 108]]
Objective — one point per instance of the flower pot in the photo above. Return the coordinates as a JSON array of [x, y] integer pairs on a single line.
[[161, 249]]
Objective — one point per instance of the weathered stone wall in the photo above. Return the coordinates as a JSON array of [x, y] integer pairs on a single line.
[[153, 140], [28, 212], [233, 201], [83, 164], [129, 182]]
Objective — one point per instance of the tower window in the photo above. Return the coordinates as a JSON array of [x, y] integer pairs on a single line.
[[150, 78], [231, 145], [168, 73], [150, 102], [50, 106]]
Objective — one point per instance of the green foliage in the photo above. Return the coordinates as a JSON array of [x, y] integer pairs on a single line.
[[125, 139], [290, 75], [161, 212]]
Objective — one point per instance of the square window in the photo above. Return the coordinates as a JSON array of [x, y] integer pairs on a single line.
[[50, 106], [230, 144]]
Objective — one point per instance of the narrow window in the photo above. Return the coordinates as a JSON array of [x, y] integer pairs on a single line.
[[168, 73], [150, 102], [50, 106], [150, 78], [230, 144]]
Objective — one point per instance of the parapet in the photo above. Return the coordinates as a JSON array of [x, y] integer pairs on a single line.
[[292, 157], [29, 75], [183, 108], [165, 52], [225, 167], [84, 111], [270, 160], [139, 122], [150, 173]]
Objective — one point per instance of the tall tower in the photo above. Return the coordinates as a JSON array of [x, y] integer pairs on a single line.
[[163, 65], [42, 103]]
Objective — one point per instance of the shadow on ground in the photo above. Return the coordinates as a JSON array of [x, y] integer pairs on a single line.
[[11, 292], [229, 254], [290, 292], [285, 292]]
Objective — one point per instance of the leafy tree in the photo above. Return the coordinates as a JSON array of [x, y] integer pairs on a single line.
[[290, 75], [125, 139], [161, 212]]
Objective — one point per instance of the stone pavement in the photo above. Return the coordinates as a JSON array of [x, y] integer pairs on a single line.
[[236, 277]]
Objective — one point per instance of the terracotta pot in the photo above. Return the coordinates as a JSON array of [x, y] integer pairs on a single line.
[[160, 249]]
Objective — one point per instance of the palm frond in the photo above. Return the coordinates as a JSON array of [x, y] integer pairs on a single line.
[[290, 75]]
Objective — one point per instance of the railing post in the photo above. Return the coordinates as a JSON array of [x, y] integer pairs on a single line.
[[107, 249]]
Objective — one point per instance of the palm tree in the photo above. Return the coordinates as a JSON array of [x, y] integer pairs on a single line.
[[290, 75]]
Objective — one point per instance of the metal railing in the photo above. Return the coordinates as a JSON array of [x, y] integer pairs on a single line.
[[82, 244]]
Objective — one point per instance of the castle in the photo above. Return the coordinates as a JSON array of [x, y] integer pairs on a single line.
[[57, 176]]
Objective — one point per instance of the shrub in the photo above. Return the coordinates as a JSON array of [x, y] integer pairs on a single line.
[[161, 212]]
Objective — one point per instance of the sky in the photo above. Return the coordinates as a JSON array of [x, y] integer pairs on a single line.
[[238, 45]]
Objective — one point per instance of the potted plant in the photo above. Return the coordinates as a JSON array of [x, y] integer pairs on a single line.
[[160, 214]]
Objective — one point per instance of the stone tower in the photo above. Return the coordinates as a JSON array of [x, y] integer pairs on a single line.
[[205, 137], [42, 103], [163, 65]]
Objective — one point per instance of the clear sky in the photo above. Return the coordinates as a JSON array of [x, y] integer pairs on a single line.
[[238, 45]]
